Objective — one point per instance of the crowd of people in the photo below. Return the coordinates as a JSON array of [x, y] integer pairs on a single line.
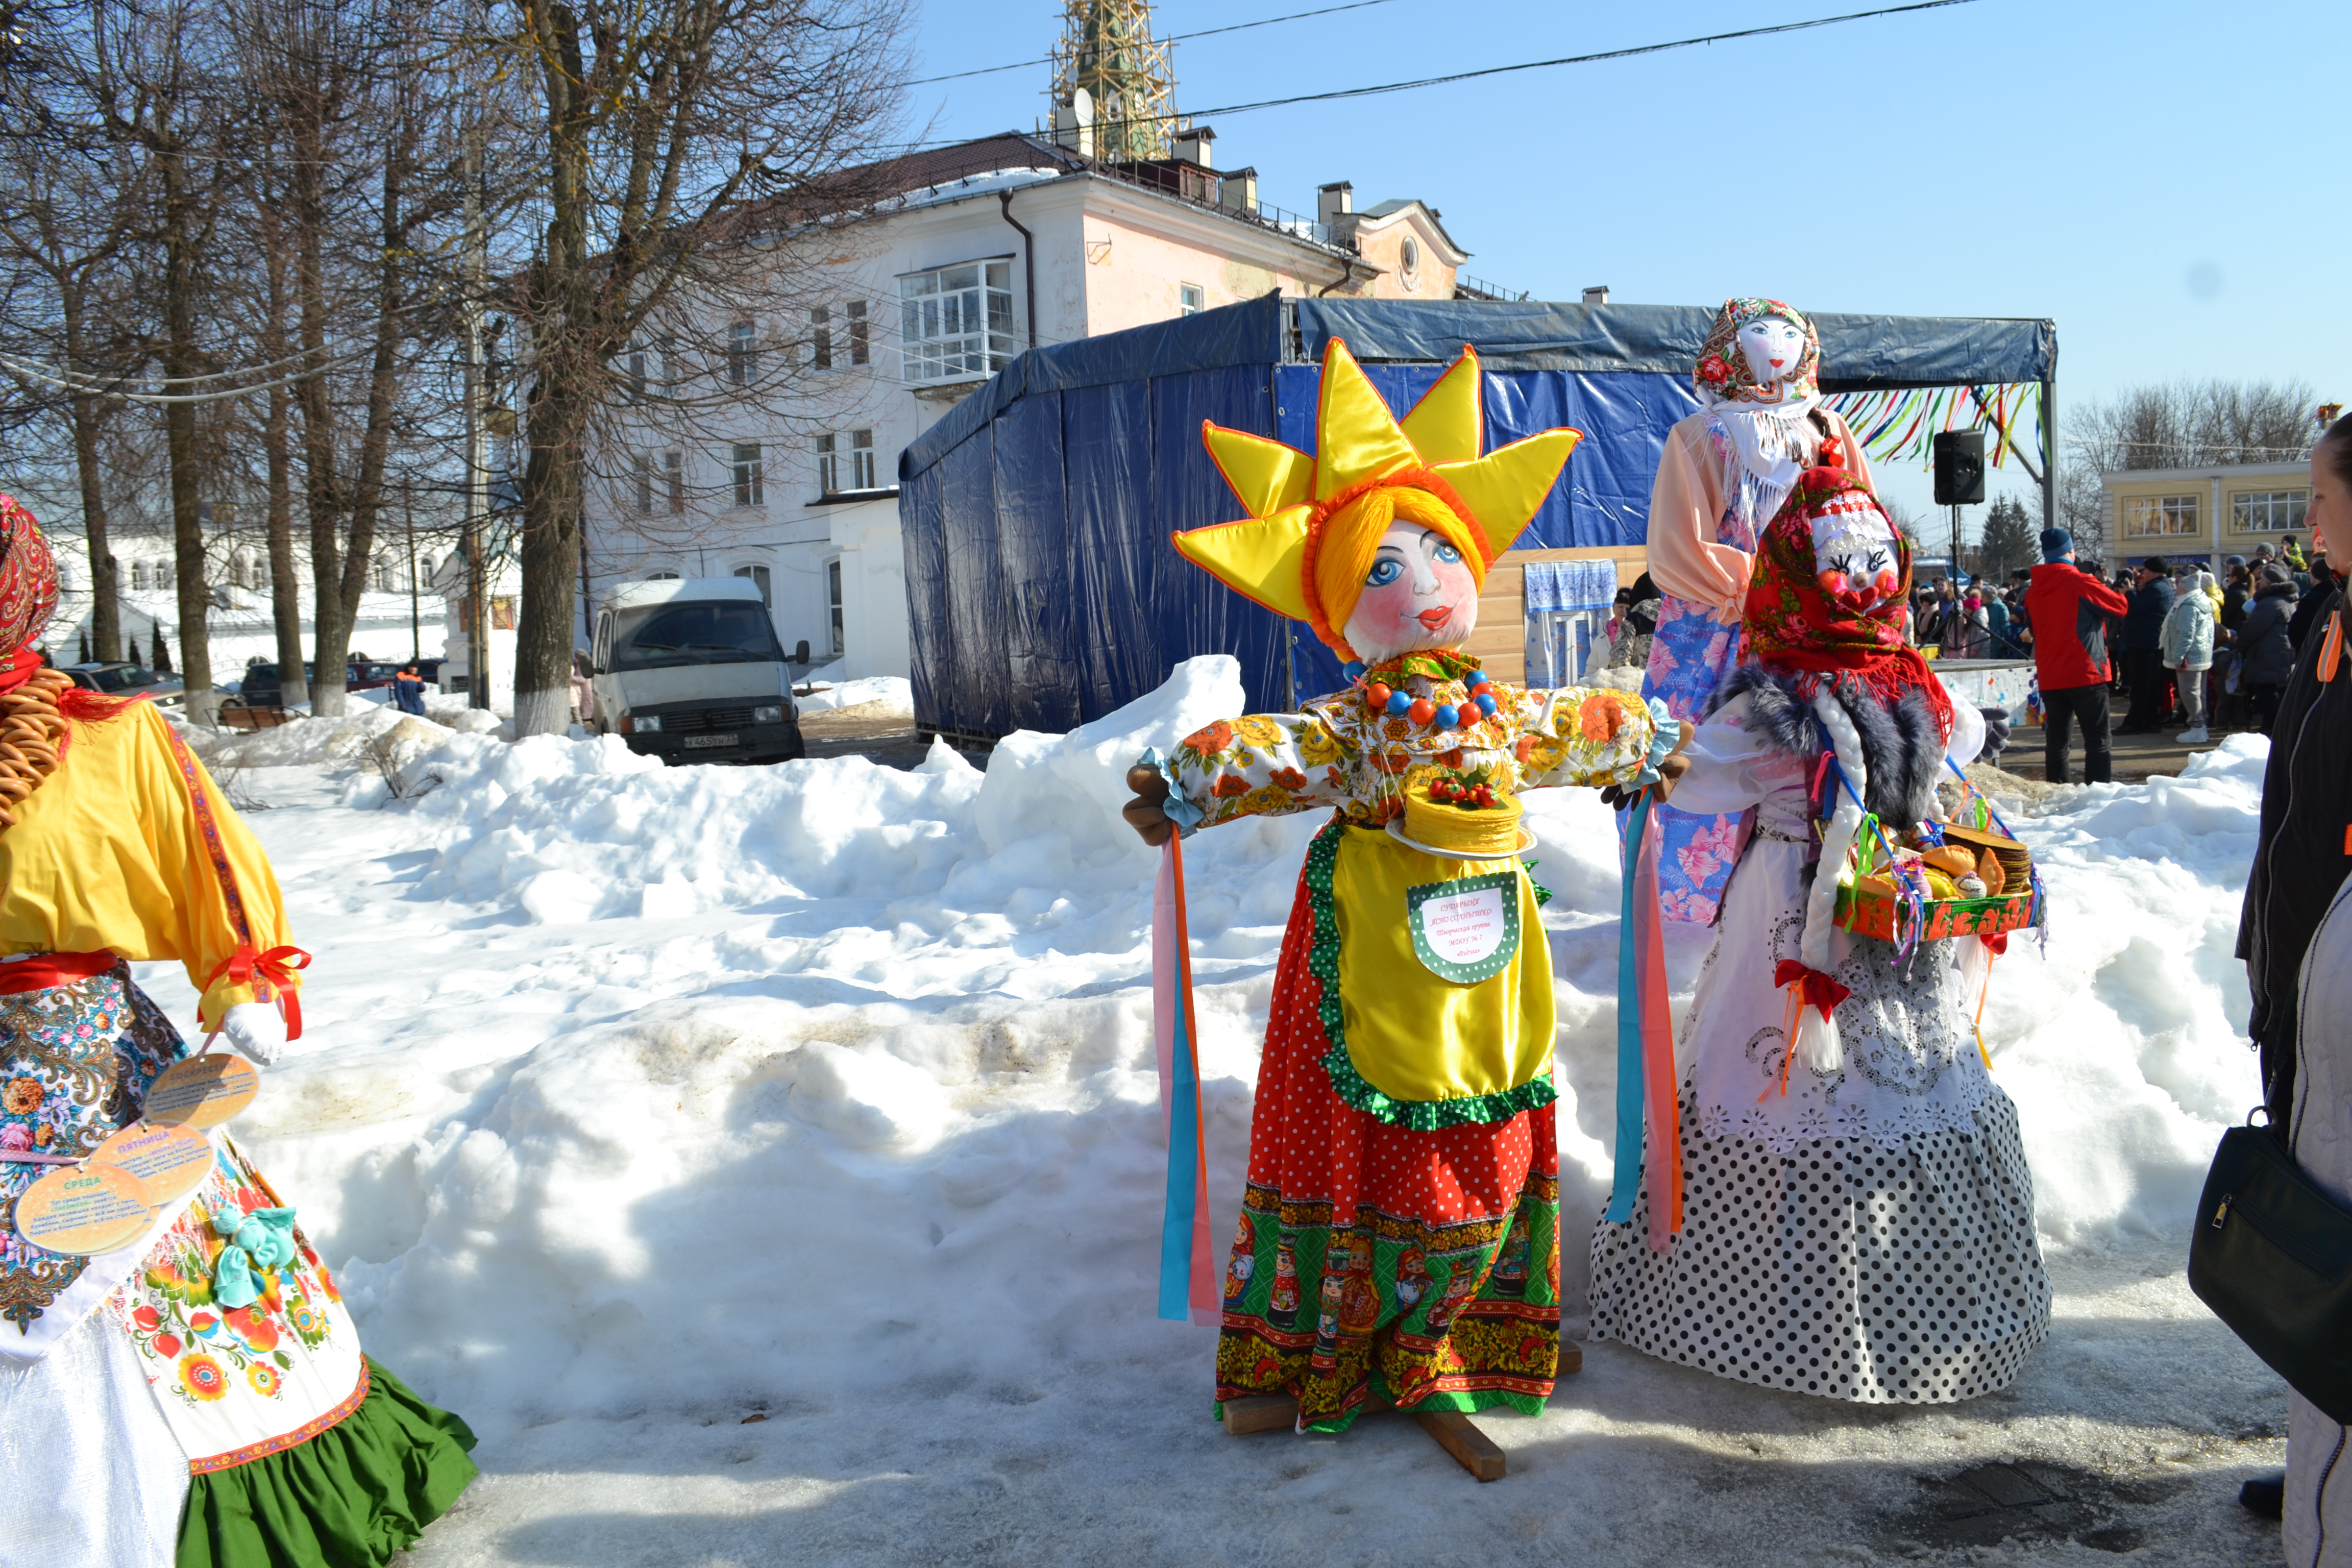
[[2180, 650]]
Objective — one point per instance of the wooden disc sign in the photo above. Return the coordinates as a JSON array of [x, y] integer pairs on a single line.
[[202, 1091], [94, 1208], [170, 1159]]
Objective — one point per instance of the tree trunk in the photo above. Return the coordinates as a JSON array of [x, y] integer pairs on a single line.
[[551, 567], [285, 582], [105, 608], [180, 363], [330, 641]]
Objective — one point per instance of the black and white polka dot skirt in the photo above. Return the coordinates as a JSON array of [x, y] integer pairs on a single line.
[[1847, 1269]]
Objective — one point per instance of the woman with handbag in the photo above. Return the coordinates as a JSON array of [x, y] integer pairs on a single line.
[[2296, 939]]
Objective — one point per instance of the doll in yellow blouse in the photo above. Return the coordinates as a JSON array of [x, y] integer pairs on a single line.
[[197, 1396], [1398, 1235]]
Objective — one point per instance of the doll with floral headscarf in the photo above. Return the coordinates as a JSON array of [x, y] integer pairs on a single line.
[[1858, 1216], [198, 1396], [1399, 1234], [1722, 473]]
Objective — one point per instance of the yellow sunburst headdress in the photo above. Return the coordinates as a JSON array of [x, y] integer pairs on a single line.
[[1315, 523]]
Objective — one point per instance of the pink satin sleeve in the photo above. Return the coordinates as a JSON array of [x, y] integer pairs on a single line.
[[1686, 505]]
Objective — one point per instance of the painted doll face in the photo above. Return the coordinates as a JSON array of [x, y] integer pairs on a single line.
[[1774, 348], [1419, 593], [1855, 559]]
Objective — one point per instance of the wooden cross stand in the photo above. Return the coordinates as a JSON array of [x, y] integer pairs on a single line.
[[1456, 1432]]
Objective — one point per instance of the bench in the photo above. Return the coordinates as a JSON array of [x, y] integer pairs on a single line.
[[253, 718]]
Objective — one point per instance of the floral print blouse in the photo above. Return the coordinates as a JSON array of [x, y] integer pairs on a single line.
[[1343, 752]]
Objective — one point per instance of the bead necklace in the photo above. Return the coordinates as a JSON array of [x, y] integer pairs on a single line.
[[1421, 709]]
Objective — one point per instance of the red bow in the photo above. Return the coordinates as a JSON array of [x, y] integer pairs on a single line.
[[1817, 989], [1996, 944], [264, 970]]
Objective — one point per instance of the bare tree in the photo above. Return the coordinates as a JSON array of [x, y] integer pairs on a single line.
[[662, 121], [2194, 425]]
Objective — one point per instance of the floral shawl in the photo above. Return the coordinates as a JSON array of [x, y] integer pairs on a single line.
[[1722, 373]]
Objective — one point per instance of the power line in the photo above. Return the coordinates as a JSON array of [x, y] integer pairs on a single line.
[[1581, 59], [1631, 53], [1171, 39]]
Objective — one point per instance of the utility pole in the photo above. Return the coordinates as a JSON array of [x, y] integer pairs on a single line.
[[415, 614], [477, 477]]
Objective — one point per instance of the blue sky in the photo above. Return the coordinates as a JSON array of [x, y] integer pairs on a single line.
[[2166, 181]]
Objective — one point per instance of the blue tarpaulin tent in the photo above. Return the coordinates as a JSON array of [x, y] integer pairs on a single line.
[[1041, 590]]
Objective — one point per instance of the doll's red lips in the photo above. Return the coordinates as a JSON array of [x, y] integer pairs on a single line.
[[1434, 619]]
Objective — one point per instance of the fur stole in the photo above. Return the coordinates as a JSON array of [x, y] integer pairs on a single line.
[[1901, 746]]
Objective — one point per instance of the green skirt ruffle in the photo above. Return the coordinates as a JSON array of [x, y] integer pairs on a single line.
[[349, 1497]]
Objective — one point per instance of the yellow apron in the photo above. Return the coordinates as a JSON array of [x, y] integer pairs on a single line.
[[1412, 1034]]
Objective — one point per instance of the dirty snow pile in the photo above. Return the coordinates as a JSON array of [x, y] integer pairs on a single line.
[[635, 1101]]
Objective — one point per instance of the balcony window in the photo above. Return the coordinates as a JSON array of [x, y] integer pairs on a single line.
[[956, 324]]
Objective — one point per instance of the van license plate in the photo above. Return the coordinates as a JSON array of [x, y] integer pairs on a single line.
[[705, 743]]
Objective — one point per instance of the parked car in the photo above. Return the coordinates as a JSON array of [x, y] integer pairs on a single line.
[[260, 687], [117, 677], [689, 670]]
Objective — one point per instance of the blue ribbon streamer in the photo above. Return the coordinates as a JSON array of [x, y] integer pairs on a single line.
[[1183, 1176], [1629, 1085]]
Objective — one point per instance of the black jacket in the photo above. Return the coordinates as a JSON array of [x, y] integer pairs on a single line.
[[2144, 622], [2263, 644], [2299, 856], [2308, 611]]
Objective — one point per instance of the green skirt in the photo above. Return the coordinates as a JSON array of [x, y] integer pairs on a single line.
[[349, 1497]]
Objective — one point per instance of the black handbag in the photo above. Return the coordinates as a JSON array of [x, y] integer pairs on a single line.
[[2271, 1255]]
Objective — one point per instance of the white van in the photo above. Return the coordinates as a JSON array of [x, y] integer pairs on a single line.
[[688, 669]]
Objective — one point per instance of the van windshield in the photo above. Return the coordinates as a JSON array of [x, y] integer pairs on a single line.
[[659, 636]]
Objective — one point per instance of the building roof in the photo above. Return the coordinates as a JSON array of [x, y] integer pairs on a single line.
[[2205, 472], [1390, 208]]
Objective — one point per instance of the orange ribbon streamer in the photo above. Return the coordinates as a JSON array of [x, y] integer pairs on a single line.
[[264, 972]]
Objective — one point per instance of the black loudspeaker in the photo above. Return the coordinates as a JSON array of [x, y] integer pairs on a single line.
[[1959, 468]]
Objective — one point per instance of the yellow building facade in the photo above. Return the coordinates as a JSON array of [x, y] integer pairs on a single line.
[[2206, 514]]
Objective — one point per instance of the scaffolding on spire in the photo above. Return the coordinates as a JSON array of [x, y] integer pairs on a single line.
[[1128, 81]]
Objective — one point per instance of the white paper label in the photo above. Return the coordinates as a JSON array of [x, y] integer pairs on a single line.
[[1465, 927]]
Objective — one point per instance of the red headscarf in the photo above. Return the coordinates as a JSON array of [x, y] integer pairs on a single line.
[[1803, 620], [28, 593]]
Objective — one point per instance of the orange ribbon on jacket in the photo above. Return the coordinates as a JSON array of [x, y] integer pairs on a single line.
[[274, 968]]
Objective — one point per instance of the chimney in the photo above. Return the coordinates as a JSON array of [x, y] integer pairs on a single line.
[[1597, 295], [1239, 190], [1334, 202], [1074, 123], [1192, 146]]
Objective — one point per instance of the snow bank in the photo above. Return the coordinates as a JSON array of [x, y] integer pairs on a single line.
[[713, 1089], [893, 692]]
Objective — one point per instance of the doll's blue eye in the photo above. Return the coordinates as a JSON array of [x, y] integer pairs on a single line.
[[1448, 553], [1383, 573]]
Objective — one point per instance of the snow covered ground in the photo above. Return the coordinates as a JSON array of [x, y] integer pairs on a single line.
[[766, 1161]]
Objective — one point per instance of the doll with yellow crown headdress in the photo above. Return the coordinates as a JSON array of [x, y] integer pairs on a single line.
[[1402, 1139]]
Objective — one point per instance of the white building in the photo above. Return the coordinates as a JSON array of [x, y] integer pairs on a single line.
[[401, 615], [994, 246]]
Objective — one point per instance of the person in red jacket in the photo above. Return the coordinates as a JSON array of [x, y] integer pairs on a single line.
[[2069, 610]]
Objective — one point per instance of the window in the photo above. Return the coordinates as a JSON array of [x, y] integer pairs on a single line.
[[633, 377], [661, 577], [759, 576], [742, 353], [642, 473], [748, 490], [138, 576], [1409, 261], [833, 599], [828, 465], [820, 338], [861, 459], [859, 350], [674, 470], [831, 478], [2267, 512], [384, 575], [2156, 517], [957, 323], [1190, 300]]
